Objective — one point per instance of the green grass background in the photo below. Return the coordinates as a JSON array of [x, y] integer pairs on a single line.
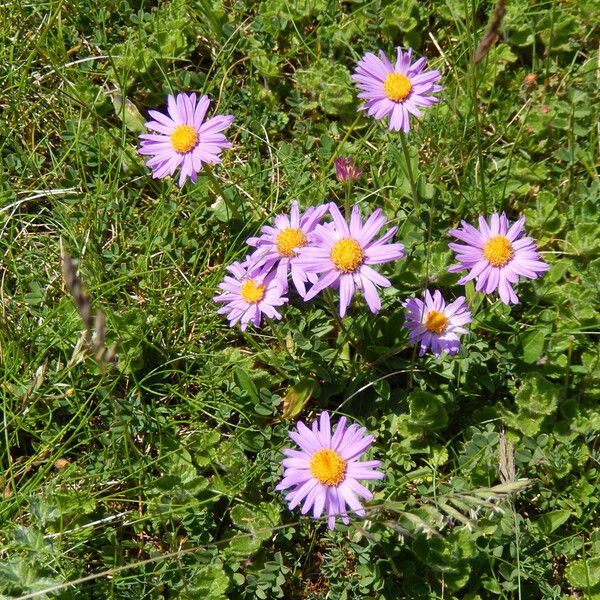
[[153, 476]]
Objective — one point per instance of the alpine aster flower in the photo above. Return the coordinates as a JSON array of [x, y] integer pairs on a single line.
[[279, 245], [496, 255], [342, 253], [183, 138], [345, 170], [395, 90], [435, 325], [324, 473], [249, 294]]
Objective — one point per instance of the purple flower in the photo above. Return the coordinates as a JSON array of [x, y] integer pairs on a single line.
[[280, 244], [434, 324], [249, 294], [345, 170], [324, 473], [183, 140], [395, 90], [342, 254], [496, 255]]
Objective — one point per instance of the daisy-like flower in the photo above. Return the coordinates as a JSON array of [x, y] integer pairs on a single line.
[[279, 245], [183, 139], [249, 294], [325, 472], [435, 325], [496, 255], [395, 90], [345, 170], [342, 253]]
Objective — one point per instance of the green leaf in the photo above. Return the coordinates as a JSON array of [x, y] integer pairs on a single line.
[[177, 461], [584, 574], [258, 521], [329, 84], [546, 214], [538, 395], [399, 16], [208, 582], [297, 397], [127, 111], [242, 378], [584, 240], [533, 344], [427, 410], [551, 521], [556, 32], [536, 399], [449, 555]]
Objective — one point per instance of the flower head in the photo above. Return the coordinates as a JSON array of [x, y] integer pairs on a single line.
[[342, 253], [325, 472], [249, 294], [279, 245], [395, 90], [496, 255], [183, 138], [435, 325], [345, 170]]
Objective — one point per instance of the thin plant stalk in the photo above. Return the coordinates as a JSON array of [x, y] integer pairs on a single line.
[[347, 189], [480, 162], [340, 327], [409, 171], [334, 312], [474, 103], [343, 141], [218, 189], [427, 265]]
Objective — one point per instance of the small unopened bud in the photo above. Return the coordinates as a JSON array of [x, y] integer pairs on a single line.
[[345, 170], [530, 80]]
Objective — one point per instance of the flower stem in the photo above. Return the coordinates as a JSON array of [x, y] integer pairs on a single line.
[[347, 188], [427, 268], [409, 171], [333, 309], [341, 144], [343, 339], [480, 166], [218, 189], [480, 159]]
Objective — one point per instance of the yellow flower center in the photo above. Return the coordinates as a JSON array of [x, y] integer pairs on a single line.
[[184, 138], [397, 87], [436, 321], [251, 292], [498, 251], [289, 239], [327, 467], [347, 255]]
